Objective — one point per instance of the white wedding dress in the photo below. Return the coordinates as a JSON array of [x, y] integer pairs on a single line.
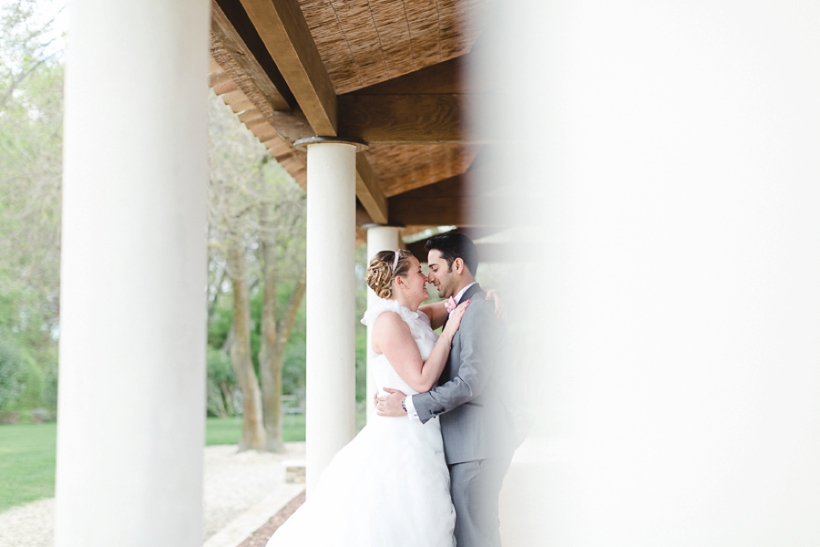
[[389, 487]]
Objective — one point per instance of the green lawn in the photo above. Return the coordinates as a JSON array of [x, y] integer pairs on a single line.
[[27, 454], [228, 430]]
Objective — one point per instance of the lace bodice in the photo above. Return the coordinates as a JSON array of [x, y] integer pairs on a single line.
[[425, 338]]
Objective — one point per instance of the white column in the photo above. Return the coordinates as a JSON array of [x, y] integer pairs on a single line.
[[132, 322], [669, 162], [379, 238], [331, 305]]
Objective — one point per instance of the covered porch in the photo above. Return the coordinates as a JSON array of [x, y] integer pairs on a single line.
[[368, 108], [399, 117]]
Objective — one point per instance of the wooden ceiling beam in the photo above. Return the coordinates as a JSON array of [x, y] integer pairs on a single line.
[[405, 119], [459, 201], [369, 192], [250, 116], [224, 87], [438, 211], [218, 76], [423, 107], [242, 61], [285, 33], [294, 125], [242, 106], [281, 27], [441, 78], [384, 114], [474, 183], [391, 119]]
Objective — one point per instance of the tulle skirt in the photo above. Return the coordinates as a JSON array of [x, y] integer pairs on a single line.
[[389, 487]]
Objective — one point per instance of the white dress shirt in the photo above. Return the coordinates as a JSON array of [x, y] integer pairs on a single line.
[[408, 401]]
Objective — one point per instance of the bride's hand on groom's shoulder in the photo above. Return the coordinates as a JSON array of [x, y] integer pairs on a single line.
[[500, 309], [454, 322]]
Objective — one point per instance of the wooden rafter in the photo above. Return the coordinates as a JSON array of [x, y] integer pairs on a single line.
[[297, 65], [422, 107], [244, 70], [283, 29], [404, 119], [391, 119], [442, 78], [460, 201], [369, 192]]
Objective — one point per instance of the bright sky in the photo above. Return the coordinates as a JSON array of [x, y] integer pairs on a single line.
[[56, 10]]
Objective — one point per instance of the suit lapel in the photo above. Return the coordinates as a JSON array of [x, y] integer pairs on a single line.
[[448, 367], [470, 292]]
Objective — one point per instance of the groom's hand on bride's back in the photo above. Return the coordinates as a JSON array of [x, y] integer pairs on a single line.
[[389, 403]]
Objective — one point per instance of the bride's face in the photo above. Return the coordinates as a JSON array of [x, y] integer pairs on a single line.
[[415, 283]]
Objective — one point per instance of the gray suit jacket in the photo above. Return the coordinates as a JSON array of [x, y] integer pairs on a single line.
[[469, 398]]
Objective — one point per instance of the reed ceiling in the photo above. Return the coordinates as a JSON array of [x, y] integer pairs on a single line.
[[389, 72], [365, 42]]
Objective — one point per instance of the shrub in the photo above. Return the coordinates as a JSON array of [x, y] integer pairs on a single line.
[[12, 373], [39, 415], [31, 394], [50, 388], [221, 384]]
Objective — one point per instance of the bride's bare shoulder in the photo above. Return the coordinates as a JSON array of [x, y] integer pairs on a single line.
[[388, 318]]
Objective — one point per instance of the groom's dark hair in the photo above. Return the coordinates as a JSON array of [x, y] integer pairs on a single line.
[[454, 245]]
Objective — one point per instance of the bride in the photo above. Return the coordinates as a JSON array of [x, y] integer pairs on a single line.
[[390, 485]]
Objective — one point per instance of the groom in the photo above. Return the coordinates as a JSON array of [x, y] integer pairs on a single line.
[[475, 425]]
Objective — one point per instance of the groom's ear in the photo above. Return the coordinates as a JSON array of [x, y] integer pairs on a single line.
[[458, 265]]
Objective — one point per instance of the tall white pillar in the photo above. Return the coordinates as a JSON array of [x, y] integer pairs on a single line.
[[667, 168], [379, 238], [132, 317], [330, 410]]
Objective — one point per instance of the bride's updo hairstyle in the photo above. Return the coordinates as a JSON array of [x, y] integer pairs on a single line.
[[380, 272]]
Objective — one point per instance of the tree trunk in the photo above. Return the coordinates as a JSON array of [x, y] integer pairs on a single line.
[[253, 433], [271, 357], [275, 334], [228, 398], [226, 345], [212, 299], [270, 371]]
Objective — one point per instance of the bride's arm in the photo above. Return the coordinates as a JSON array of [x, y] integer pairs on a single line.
[[436, 312], [392, 337]]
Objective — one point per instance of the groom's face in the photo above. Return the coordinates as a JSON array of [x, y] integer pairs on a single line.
[[440, 274]]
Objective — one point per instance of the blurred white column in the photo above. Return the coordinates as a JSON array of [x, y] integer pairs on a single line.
[[132, 309], [667, 157], [330, 409], [379, 238]]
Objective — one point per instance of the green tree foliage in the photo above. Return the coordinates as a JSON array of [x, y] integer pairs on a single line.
[[294, 371], [219, 326], [12, 373], [221, 383], [254, 207], [31, 84]]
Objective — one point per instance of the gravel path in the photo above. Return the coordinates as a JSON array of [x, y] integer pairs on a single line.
[[234, 482], [28, 525]]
